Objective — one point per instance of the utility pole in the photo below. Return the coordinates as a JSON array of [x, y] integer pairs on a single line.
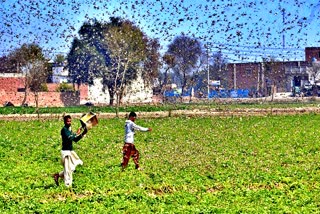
[[208, 68]]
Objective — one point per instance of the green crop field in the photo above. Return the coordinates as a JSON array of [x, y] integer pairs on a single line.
[[191, 165]]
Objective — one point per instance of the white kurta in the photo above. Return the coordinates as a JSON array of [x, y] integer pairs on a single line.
[[70, 160]]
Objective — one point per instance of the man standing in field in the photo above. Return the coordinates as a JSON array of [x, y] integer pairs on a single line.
[[69, 158], [129, 149]]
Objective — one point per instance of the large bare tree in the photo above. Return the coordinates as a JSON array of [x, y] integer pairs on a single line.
[[29, 60], [186, 52]]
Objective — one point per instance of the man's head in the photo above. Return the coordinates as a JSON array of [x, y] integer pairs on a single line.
[[132, 116], [67, 120]]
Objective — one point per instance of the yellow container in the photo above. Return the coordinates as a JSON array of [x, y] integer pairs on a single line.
[[89, 120]]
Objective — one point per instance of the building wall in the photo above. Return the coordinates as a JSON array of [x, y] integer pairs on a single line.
[[312, 52], [96, 94], [59, 74], [257, 77], [46, 99], [137, 92], [10, 83]]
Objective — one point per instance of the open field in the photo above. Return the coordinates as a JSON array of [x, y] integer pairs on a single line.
[[261, 164], [216, 107]]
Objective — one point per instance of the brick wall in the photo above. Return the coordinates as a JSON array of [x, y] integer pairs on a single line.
[[311, 52], [11, 83], [9, 92], [46, 99]]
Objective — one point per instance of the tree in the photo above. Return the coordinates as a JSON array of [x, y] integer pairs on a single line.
[[169, 62], [87, 59], [36, 78], [217, 68], [127, 46], [273, 72], [186, 52], [29, 59], [115, 51], [6, 65], [152, 63], [59, 59]]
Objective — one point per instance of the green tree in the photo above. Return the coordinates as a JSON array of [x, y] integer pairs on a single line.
[[116, 51], [59, 59], [127, 47], [85, 59]]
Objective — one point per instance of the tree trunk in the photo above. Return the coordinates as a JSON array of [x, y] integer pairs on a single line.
[[117, 105], [111, 94], [24, 98], [36, 99]]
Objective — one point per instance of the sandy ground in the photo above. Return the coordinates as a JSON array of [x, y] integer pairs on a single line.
[[198, 112], [177, 113]]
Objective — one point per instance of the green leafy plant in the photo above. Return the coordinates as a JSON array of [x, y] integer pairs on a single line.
[[191, 165], [65, 87]]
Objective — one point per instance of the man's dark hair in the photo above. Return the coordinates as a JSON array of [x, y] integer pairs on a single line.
[[132, 114], [66, 117]]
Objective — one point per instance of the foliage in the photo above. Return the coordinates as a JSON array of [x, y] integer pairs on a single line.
[[44, 87], [163, 107], [64, 87], [127, 47], [202, 165], [186, 52], [152, 63], [59, 59], [29, 60], [217, 66], [84, 60], [116, 52]]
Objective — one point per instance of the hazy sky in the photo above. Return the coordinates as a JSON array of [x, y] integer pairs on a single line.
[[243, 30]]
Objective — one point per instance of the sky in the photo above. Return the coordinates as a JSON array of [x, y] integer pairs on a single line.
[[242, 30]]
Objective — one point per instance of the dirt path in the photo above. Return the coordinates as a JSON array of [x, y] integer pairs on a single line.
[[177, 113]]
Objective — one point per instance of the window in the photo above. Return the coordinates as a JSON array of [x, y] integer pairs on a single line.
[[249, 72]]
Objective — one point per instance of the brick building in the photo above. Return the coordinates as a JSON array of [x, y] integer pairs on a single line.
[[259, 77], [12, 89]]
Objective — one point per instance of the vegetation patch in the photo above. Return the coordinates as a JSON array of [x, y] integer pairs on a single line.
[[191, 165]]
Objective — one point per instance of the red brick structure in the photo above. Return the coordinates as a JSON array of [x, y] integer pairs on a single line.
[[12, 89], [11, 82], [259, 77], [312, 52]]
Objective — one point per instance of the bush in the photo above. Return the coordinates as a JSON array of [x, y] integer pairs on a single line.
[[65, 87], [44, 87]]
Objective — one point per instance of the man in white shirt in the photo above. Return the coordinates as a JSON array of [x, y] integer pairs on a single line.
[[129, 149]]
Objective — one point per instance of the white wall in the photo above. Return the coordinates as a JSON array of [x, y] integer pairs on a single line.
[[96, 95], [135, 93], [59, 75], [12, 75]]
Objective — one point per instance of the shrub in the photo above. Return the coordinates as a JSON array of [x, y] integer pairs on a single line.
[[65, 87]]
